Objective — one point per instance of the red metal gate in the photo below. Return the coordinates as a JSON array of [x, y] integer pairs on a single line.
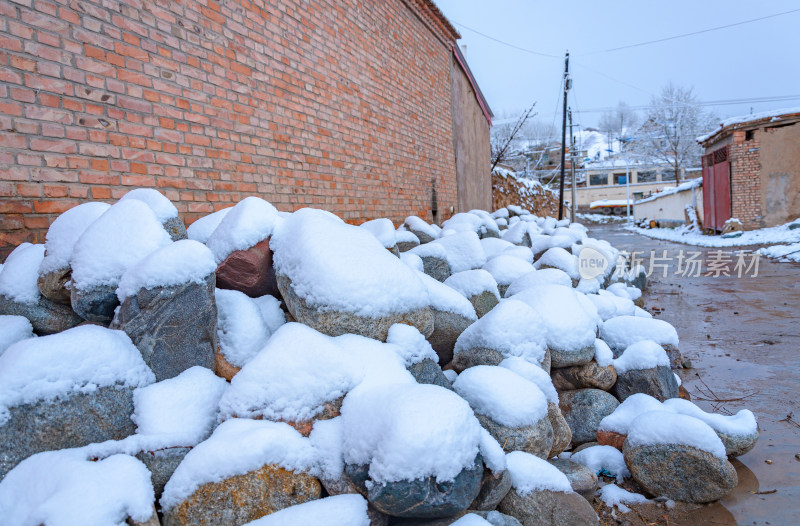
[[716, 189]]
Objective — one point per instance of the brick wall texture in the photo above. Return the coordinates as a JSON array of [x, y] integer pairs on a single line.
[[745, 159], [337, 104]]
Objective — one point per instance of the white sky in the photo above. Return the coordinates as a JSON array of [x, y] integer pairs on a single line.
[[759, 59]]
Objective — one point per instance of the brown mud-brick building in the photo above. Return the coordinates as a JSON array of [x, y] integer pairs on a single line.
[[363, 108], [751, 171]]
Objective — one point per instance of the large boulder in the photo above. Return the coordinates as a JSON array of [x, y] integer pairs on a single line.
[[644, 368], [245, 470], [339, 279], [584, 409], [512, 329], [20, 294], [428, 497], [168, 308], [118, 239], [241, 247], [479, 287], [589, 375], [582, 479], [542, 495], [452, 314], [55, 271], [511, 408], [679, 457], [249, 271], [67, 390]]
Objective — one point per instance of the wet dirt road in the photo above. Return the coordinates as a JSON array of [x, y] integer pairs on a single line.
[[743, 338]]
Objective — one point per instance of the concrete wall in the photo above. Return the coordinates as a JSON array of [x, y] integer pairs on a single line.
[[338, 105], [780, 174], [471, 144], [670, 208]]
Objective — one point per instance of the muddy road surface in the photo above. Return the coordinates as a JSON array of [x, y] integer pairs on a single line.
[[742, 335]]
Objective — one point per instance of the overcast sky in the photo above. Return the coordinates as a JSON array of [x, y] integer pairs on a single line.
[[754, 60]]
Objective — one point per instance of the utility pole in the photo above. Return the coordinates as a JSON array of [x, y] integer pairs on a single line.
[[573, 202], [567, 83]]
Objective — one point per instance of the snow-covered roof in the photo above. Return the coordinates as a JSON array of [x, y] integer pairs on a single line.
[[747, 120], [669, 190]]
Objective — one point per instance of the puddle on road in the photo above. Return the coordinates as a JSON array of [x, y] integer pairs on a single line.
[[743, 338]]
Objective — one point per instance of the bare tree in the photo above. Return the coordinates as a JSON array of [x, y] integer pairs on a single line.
[[502, 136], [668, 134], [619, 122]]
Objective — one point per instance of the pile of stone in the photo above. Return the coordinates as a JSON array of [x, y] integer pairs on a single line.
[[262, 367]]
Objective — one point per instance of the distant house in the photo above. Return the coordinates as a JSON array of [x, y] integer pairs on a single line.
[[751, 170]]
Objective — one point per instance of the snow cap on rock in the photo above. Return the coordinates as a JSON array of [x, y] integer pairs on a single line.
[[530, 474], [14, 329], [160, 205], [239, 446], [411, 344], [503, 396], [247, 224], [178, 263], [338, 510], [623, 331], [241, 328], [79, 359], [202, 229], [65, 231], [18, 279], [335, 266], [123, 235], [663, 427], [645, 354]]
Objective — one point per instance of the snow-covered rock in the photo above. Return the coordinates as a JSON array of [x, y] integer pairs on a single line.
[[356, 287], [478, 286], [164, 210]]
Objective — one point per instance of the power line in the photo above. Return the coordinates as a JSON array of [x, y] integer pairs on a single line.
[[708, 30], [728, 102], [526, 50]]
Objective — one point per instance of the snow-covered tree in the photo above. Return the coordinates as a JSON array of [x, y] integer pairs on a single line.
[[619, 122], [674, 120], [503, 135]]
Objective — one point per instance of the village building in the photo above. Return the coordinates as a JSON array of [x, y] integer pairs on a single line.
[[751, 171], [366, 109]]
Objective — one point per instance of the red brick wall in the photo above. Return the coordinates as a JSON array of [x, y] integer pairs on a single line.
[[745, 159], [343, 105]]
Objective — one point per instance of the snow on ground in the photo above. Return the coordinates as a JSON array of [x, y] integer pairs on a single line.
[[530, 473], [782, 252], [599, 218], [339, 510], [613, 495], [764, 236], [63, 488]]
